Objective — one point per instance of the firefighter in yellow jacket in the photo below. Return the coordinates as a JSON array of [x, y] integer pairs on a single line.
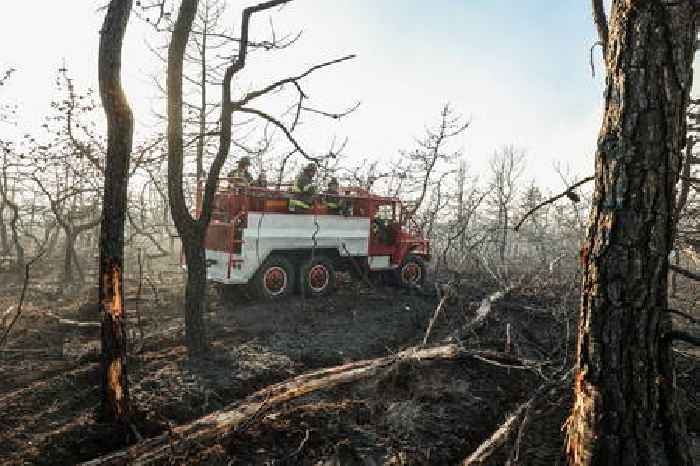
[[333, 201], [303, 189]]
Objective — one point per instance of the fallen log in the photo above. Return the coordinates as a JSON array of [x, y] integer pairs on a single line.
[[482, 312], [500, 436], [219, 424]]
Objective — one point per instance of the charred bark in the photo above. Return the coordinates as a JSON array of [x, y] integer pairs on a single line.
[[625, 409], [191, 233], [195, 294], [120, 127]]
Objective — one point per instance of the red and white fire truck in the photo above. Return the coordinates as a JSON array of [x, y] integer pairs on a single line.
[[254, 239]]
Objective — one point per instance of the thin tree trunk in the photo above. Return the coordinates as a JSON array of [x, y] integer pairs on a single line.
[[4, 243], [625, 410], [19, 249], [68, 258], [120, 127], [674, 275], [191, 232], [52, 232], [77, 266]]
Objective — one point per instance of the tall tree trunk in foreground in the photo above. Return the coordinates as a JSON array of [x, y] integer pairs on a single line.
[[625, 410], [190, 230], [120, 128], [193, 230]]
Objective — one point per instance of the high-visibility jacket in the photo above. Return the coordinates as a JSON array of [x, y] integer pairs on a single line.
[[332, 201], [303, 189], [304, 184]]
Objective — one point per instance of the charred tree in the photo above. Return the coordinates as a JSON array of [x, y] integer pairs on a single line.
[[120, 128], [625, 409], [192, 231]]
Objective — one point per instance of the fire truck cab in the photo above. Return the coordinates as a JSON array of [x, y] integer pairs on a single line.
[[253, 239]]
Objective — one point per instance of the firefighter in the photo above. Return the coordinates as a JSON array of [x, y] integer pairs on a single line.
[[380, 230], [332, 201], [303, 189], [261, 182], [241, 176]]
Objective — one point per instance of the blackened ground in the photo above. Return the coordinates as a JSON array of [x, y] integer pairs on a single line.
[[426, 412]]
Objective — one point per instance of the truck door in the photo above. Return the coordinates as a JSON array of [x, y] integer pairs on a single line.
[[383, 231]]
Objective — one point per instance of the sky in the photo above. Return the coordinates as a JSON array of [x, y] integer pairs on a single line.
[[519, 70]]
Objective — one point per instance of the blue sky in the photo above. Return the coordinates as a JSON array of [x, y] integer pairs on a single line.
[[518, 69]]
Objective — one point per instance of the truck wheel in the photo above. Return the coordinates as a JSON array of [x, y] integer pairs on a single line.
[[274, 279], [317, 277], [411, 274]]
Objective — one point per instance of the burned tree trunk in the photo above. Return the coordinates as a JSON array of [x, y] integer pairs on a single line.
[[192, 231], [120, 128], [625, 409]]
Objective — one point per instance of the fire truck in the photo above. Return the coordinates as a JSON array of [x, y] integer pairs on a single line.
[[253, 239]]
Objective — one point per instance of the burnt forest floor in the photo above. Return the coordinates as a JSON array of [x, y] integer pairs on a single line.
[[415, 413]]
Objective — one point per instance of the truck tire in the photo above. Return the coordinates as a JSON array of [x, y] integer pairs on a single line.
[[411, 273], [317, 276], [274, 279]]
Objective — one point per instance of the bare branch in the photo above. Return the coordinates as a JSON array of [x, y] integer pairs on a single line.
[[685, 273], [601, 21], [255, 94], [681, 336], [21, 298], [592, 64], [568, 193], [283, 128], [335, 116], [684, 315]]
